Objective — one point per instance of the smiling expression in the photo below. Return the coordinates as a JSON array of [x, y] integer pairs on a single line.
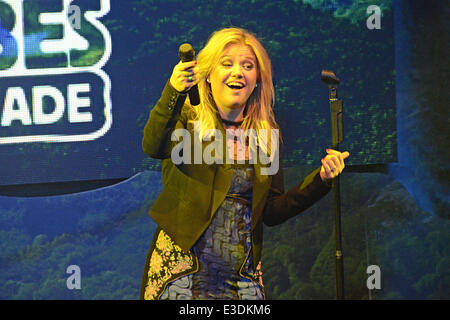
[[234, 78]]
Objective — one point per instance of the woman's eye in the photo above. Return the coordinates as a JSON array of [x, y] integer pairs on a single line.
[[246, 66]]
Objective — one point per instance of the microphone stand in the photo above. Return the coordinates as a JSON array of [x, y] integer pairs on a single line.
[[336, 107]]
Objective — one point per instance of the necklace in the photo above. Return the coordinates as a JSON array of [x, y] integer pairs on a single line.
[[231, 123]]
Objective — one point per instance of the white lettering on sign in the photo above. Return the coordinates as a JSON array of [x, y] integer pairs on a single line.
[[42, 56], [16, 106]]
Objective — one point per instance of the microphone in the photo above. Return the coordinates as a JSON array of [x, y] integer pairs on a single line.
[[187, 53]]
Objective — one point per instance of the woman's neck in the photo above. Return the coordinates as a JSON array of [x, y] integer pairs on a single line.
[[234, 115]]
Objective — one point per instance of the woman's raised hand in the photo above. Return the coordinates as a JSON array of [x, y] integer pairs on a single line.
[[184, 76]]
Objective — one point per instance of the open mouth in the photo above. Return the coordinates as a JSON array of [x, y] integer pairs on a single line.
[[235, 85]]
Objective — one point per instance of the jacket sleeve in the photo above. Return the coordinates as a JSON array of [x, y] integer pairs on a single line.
[[163, 118], [281, 206]]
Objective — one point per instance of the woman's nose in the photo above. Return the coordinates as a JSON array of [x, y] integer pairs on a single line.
[[237, 71]]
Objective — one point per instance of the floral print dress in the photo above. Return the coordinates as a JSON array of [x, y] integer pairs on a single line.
[[215, 267], [222, 250]]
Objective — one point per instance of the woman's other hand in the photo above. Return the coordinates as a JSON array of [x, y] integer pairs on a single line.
[[332, 164]]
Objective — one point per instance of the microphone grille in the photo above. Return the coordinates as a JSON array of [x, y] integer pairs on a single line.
[[186, 52]]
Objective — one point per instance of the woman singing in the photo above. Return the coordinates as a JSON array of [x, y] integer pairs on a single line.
[[210, 214]]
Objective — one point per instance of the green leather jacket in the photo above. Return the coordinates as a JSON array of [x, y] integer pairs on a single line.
[[193, 192]]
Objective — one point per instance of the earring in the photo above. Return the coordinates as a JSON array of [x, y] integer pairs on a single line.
[[207, 80], [256, 85]]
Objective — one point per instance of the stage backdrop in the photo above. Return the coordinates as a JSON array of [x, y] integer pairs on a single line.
[[78, 79], [76, 90]]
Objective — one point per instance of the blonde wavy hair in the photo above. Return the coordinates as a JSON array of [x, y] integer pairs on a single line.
[[259, 115]]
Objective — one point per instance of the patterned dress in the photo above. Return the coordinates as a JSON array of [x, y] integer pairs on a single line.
[[223, 249]]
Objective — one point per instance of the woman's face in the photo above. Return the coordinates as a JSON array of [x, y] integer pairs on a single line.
[[234, 78]]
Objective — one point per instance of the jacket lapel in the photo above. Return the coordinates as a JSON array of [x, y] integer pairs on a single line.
[[261, 186], [224, 172], [222, 183]]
